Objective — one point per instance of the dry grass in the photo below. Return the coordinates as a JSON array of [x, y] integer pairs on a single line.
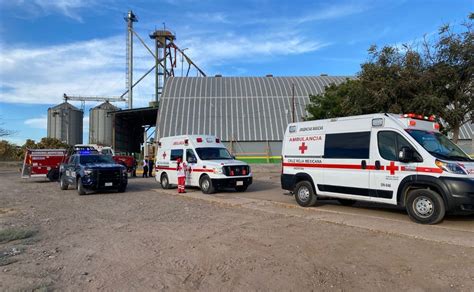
[[11, 234]]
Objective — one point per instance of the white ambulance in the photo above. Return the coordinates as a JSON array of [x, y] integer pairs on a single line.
[[387, 158], [211, 166]]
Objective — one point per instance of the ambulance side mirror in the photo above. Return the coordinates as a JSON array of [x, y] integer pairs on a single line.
[[192, 160], [405, 154]]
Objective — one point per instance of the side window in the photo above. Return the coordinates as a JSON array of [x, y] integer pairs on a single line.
[[389, 143], [71, 159], [175, 154], [347, 145], [190, 156]]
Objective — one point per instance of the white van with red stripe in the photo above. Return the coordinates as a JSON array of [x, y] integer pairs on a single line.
[[386, 158], [210, 166]]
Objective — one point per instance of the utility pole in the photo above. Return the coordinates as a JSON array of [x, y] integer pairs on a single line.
[[131, 18], [293, 101]]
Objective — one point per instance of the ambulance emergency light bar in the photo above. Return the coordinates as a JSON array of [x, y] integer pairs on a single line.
[[419, 117], [413, 117]]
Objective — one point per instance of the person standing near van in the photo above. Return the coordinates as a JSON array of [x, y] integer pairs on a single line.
[[145, 167], [151, 164], [181, 173]]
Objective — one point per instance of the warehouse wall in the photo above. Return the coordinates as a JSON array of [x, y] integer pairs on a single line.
[[256, 152]]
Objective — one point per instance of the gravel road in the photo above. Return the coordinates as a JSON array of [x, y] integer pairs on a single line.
[[147, 239]]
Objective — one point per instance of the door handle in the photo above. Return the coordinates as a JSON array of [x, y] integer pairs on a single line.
[[363, 164], [377, 165]]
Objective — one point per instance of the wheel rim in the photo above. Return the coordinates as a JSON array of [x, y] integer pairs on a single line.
[[164, 181], [423, 206], [61, 182], [205, 185], [303, 194]]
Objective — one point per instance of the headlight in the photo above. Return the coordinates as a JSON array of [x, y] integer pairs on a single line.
[[87, 171], [218, 170], [451, 167]]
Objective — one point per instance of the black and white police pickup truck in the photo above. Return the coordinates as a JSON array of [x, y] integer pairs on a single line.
[[92, 171]]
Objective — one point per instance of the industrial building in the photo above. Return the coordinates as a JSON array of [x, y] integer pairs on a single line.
[[65, 123], [249, 114], [466, 138]]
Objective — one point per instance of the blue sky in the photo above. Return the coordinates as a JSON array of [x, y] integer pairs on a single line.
[[78, 46]]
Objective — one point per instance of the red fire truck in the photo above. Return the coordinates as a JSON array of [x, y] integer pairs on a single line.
[[43, 163]]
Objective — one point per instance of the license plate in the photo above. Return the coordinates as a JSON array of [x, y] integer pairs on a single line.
[[239, 183], [108, 184]]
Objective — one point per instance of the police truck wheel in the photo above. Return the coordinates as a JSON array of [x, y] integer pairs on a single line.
[[164, 181], [53, 174], [304, 194], [205, 183], [62, 184], [80, 188], [425, 206], [346, 202]]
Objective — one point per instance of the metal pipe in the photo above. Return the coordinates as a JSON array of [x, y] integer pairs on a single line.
[[141, 78]]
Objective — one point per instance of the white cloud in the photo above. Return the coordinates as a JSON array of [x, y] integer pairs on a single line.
[[97, 67], [37, 123], [214, 17], [42, 74], [39, 8], [229, 48], [332, 12]]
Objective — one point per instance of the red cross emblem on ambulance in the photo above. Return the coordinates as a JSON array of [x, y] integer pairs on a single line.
[[303, 148], [392, 167]]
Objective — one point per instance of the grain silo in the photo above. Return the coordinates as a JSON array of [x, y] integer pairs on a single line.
[[101, 124], [65, 123]]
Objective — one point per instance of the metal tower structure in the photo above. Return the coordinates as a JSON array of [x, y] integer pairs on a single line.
[[83, 99], [166, 55], [130, 18]]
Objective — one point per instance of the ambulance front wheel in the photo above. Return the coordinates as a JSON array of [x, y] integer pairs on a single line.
[[205, 183], [304, 194], [425, 206], [164, 181]]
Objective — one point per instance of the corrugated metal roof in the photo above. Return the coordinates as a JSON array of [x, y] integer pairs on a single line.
[[65, 105], [236, 108], [467, 132]]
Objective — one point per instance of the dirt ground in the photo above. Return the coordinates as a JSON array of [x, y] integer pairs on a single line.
[[149, 239]]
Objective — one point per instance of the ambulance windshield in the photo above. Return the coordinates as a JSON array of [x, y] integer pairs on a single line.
[[213, 153], [439, 145]]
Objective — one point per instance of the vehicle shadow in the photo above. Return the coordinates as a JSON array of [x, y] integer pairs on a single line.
[[391, 209]]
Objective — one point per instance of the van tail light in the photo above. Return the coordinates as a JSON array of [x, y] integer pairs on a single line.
[[199, 140], [282, 164]]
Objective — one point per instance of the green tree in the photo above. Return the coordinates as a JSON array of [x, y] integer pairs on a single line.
[[438, 80]]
